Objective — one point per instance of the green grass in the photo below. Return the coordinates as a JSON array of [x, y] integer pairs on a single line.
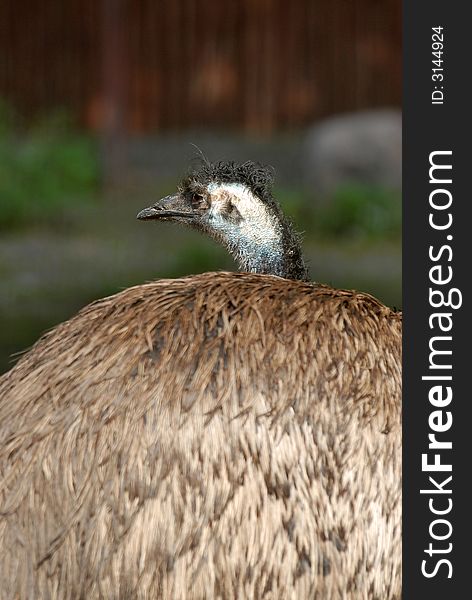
[[43, 169], [362, 211], [353, 211]]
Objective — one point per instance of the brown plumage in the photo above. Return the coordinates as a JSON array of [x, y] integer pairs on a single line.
[[218, 436]]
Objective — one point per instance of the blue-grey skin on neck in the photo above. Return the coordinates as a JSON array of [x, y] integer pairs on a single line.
[[251, 234]]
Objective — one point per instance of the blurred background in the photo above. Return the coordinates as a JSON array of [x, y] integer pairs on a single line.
[[101, 101]]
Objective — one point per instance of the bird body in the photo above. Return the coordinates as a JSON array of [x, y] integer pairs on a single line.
[[218, 436]]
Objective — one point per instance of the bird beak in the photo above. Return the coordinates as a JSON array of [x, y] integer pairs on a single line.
[[168, 208]]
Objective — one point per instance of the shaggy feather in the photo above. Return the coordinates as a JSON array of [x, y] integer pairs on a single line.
[[219, 436]]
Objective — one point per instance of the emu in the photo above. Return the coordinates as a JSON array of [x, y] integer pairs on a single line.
[[225, 435], [234, 205]]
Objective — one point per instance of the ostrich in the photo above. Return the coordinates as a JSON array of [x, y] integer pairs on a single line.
[[225, 435]]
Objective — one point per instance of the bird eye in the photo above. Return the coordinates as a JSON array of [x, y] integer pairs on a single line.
[[198, 201]]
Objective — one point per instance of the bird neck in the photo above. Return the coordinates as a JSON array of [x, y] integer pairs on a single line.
[[277, 253]]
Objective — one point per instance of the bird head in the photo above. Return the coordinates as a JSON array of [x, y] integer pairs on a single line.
[[234, 205], [223, 200]]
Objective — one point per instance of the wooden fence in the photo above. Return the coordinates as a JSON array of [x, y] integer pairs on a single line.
[[153, 65]]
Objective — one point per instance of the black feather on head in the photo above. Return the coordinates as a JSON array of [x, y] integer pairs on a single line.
[[258, 178]]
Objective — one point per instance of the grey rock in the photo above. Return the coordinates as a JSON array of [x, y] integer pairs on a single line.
[[363, 147]]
